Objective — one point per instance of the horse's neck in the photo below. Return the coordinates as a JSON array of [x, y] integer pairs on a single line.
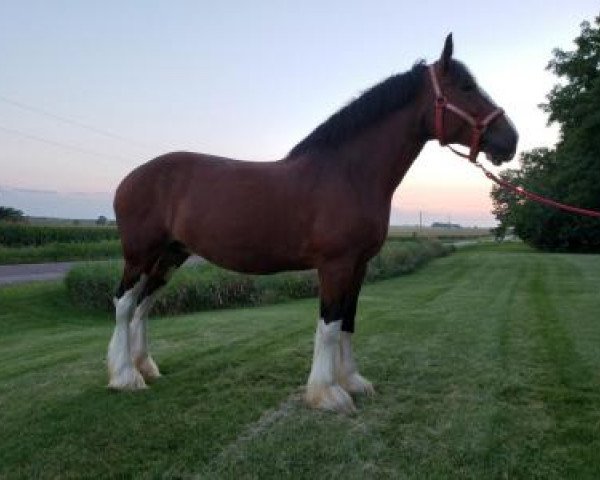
[[382, 156]]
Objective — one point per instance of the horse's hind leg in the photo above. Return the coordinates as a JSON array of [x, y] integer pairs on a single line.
[[170, 260], [138, 339], [122, 373]]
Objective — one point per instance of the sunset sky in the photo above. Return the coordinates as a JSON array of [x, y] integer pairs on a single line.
[[89, 90]]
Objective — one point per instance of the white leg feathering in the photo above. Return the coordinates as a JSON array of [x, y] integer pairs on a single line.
[[138, 340], [347, 371], [323, 391], [123, 374]]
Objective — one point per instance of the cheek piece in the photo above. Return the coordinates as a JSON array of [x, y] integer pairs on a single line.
[[478, 126]]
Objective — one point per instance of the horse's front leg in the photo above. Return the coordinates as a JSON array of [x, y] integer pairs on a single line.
[[346, 368], [323, 390], [347, 371]]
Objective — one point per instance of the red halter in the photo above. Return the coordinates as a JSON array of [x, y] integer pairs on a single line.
[[479, 126]]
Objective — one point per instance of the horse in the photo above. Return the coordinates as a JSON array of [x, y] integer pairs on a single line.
[[324, 206]]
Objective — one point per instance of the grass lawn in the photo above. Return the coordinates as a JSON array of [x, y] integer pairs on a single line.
[[486, 362]]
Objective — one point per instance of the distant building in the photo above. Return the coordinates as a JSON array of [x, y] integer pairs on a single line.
[[445, 225]]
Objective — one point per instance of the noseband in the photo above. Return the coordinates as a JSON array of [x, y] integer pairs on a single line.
[[478, 126]]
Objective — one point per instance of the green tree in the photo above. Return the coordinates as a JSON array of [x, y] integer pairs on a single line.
[[9, 214], [569, 173], [574, 104]]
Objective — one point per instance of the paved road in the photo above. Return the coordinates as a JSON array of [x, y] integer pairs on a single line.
[[33, 272], [36, 272]]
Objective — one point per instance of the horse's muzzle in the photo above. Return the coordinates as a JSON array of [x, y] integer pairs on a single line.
[[500, 146]]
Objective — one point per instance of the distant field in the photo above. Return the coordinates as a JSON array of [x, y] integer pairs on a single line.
[[58, 222], [486, 363], [455, 233], [29, 243], [26, 235], [61, 252]]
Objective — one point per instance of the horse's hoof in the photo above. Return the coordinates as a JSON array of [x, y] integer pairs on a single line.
[[329, 397], [358, 385], [127, 379], [148, 368]]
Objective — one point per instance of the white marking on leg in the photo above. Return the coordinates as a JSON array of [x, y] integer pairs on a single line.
[[347, 372], [123, 375], [322, 391], [138, 340]]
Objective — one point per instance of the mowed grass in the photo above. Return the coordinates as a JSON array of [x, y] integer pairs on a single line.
[[486, 362]]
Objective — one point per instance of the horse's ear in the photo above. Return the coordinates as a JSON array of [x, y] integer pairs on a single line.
[[447, 53]]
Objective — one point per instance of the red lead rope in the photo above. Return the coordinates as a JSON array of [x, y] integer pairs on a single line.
[[535, 197], [478, 128]]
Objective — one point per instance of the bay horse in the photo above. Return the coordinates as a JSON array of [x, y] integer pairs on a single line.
[[325, 206]]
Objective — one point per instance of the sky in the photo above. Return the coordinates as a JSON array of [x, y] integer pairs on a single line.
[[89, 90]]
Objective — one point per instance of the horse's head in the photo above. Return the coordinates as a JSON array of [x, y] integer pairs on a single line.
[[461, 112]]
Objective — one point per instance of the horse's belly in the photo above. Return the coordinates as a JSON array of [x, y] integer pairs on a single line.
[[251, 255], [247, 261]]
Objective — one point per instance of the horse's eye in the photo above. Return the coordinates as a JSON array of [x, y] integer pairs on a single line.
[[468, 87]]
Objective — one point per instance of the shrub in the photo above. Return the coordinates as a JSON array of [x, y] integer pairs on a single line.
[[92, 284], [207, 287]]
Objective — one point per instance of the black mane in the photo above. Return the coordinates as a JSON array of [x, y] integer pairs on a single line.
[[371, 107]]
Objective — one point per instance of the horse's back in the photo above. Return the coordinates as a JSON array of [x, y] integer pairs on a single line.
[[223, 209], [163, 181]]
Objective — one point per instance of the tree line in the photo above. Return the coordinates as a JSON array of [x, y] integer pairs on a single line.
[[569, 172]]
